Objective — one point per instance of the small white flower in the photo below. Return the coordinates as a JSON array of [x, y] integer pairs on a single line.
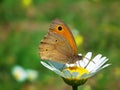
[[78, 72], [19, 73], [31, 75]]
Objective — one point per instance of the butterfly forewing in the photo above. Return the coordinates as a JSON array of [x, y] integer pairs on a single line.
[[55, 45], [65, 32]]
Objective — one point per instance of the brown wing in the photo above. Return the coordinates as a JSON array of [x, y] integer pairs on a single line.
[[64, 32], [55, 45]]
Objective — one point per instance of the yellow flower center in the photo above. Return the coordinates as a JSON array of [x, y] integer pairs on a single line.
[[75, 79], [77, 69]]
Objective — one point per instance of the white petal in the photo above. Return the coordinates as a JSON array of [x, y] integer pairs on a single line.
[[95, 71], [87, 58], [52, 68], [95, 64], [80, 63], [79, 54], [46, 65], [105, 66], [88, 55], [67, 74], [102, 61], [59, 72], [90, 66], [97, 58], [70, 65]]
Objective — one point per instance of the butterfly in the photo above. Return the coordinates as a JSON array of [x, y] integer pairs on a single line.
[[59, 44]]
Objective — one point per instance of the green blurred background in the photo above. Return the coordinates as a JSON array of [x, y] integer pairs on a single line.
[[23, 23]]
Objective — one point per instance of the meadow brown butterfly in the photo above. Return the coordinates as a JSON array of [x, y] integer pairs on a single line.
[[59, 44]]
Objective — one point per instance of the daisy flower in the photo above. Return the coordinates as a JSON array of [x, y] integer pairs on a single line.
[[32, 74], [19, 73], [78, 73]]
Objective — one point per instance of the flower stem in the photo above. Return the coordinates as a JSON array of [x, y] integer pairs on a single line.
[[74, 87]]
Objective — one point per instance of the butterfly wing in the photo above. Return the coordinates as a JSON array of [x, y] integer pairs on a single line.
[[58, 45], [59, 27]]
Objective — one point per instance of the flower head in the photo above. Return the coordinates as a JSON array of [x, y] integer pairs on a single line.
[[19, 73], [78, 72], [32, 74]]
